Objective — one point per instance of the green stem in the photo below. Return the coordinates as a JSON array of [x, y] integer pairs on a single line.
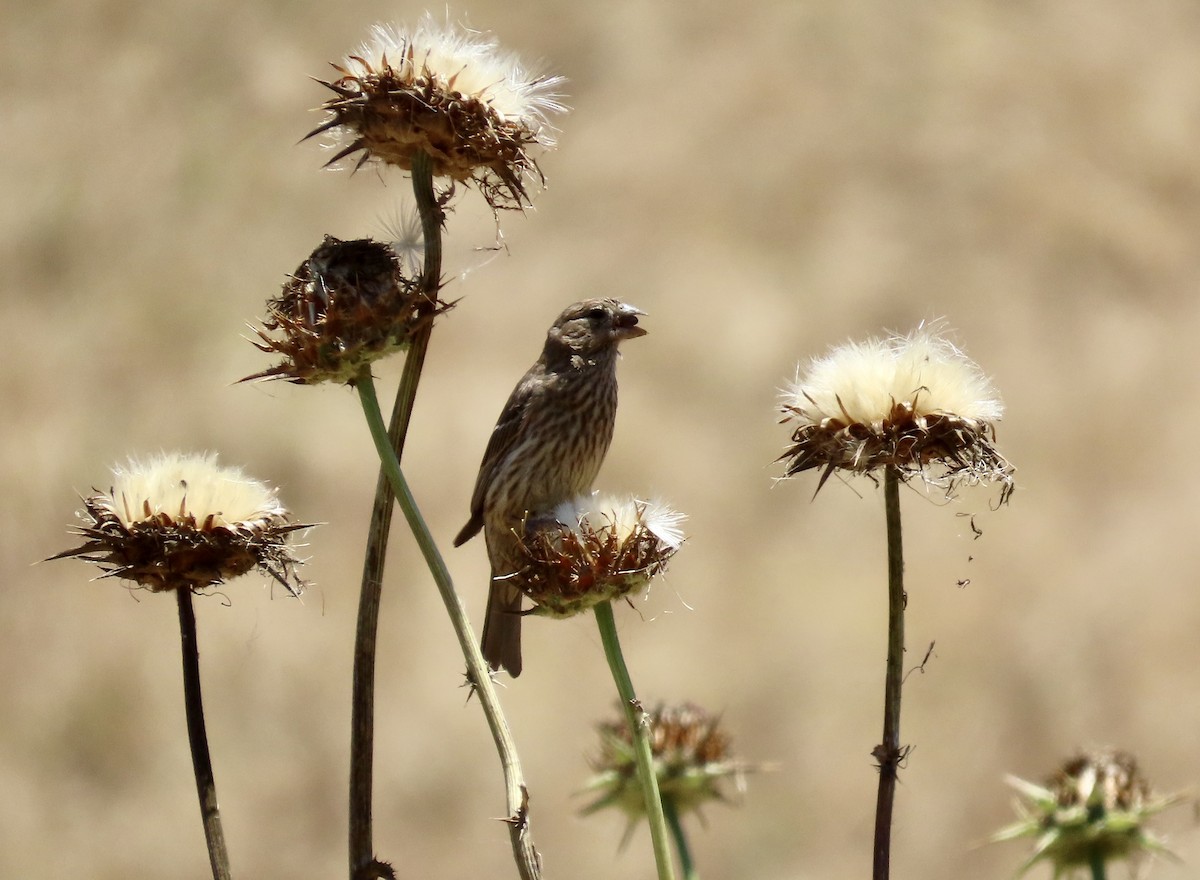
[[889, 754], [524, 852], [680, 838], [206, 786], [639, 729], [1096, 862], [362, 691]]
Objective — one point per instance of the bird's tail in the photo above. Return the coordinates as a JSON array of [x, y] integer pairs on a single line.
[[502, 628]]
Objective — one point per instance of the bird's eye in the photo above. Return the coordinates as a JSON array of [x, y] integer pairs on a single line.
[[595, 314]]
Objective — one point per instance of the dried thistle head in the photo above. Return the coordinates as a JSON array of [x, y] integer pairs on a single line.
[[346, 306], [181, 522], [450, 92], [594, 549], [692, 757], [1092, 810], [915, 403]]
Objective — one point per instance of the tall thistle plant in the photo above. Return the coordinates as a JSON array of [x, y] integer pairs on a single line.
[[447, 106], [896, 410], [183, 525]]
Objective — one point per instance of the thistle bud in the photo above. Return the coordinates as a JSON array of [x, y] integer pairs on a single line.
[[1093, 810], [692, 757]]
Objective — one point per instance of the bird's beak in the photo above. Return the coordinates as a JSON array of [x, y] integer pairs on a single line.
[[627, 323]]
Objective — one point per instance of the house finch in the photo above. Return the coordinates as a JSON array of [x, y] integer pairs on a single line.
[[546, 448]]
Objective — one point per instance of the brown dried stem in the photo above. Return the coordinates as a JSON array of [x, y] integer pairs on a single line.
[[889, 753], [206, 787], [362, 699]]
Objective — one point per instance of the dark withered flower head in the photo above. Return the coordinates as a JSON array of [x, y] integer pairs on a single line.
[[1092, 810], [692, 759], [914, 403], [346, 306], [594, 549], [452, 93], [181, 522]]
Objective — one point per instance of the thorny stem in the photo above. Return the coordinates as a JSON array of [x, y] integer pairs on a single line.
[[639, 729], [517, 794], [362, 699], [206, 786], [680, 838], [889, 754]]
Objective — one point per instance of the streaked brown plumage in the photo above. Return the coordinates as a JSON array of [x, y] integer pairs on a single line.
[[546, 448]]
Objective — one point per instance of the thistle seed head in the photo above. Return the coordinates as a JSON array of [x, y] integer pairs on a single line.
[[914, 403], [594, 549], [180, 522], [452, 93], [346, 306]]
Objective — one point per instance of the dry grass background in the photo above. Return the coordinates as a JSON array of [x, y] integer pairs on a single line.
[[765, 183]]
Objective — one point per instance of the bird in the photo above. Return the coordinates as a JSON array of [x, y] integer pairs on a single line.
[[547, 447]]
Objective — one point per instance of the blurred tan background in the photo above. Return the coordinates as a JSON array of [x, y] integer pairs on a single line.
[[764, 183]]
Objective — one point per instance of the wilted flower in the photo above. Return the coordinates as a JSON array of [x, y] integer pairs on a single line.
[[692, 757], [346, 306], [180, 522], [906, 403], [451, 93], [594, 549], [1092, 811]]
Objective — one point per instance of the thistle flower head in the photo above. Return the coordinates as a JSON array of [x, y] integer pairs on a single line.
[[692, 757], [909, 403], [346, 306], [594, 549], [451, 93], [1092, 810], [181, 522]]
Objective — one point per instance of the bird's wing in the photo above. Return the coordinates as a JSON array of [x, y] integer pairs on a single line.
[[504, 436]]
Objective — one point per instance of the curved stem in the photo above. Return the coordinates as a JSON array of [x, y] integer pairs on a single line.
[[206, 786], [639, 729], [517, 794], [680, 838], [362, 692], [889, 754]]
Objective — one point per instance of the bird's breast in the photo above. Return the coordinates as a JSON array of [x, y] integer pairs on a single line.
[[563, 440]]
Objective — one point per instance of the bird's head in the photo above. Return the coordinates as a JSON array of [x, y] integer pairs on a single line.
[[595, 324]]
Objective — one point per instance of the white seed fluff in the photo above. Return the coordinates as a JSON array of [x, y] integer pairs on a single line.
[[862, 381], [468, 62], [622, 515], [183, 486]]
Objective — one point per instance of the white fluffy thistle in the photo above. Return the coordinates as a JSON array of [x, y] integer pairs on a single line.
[[451, 93], [906, 402], [181, 522], [595, 548]]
